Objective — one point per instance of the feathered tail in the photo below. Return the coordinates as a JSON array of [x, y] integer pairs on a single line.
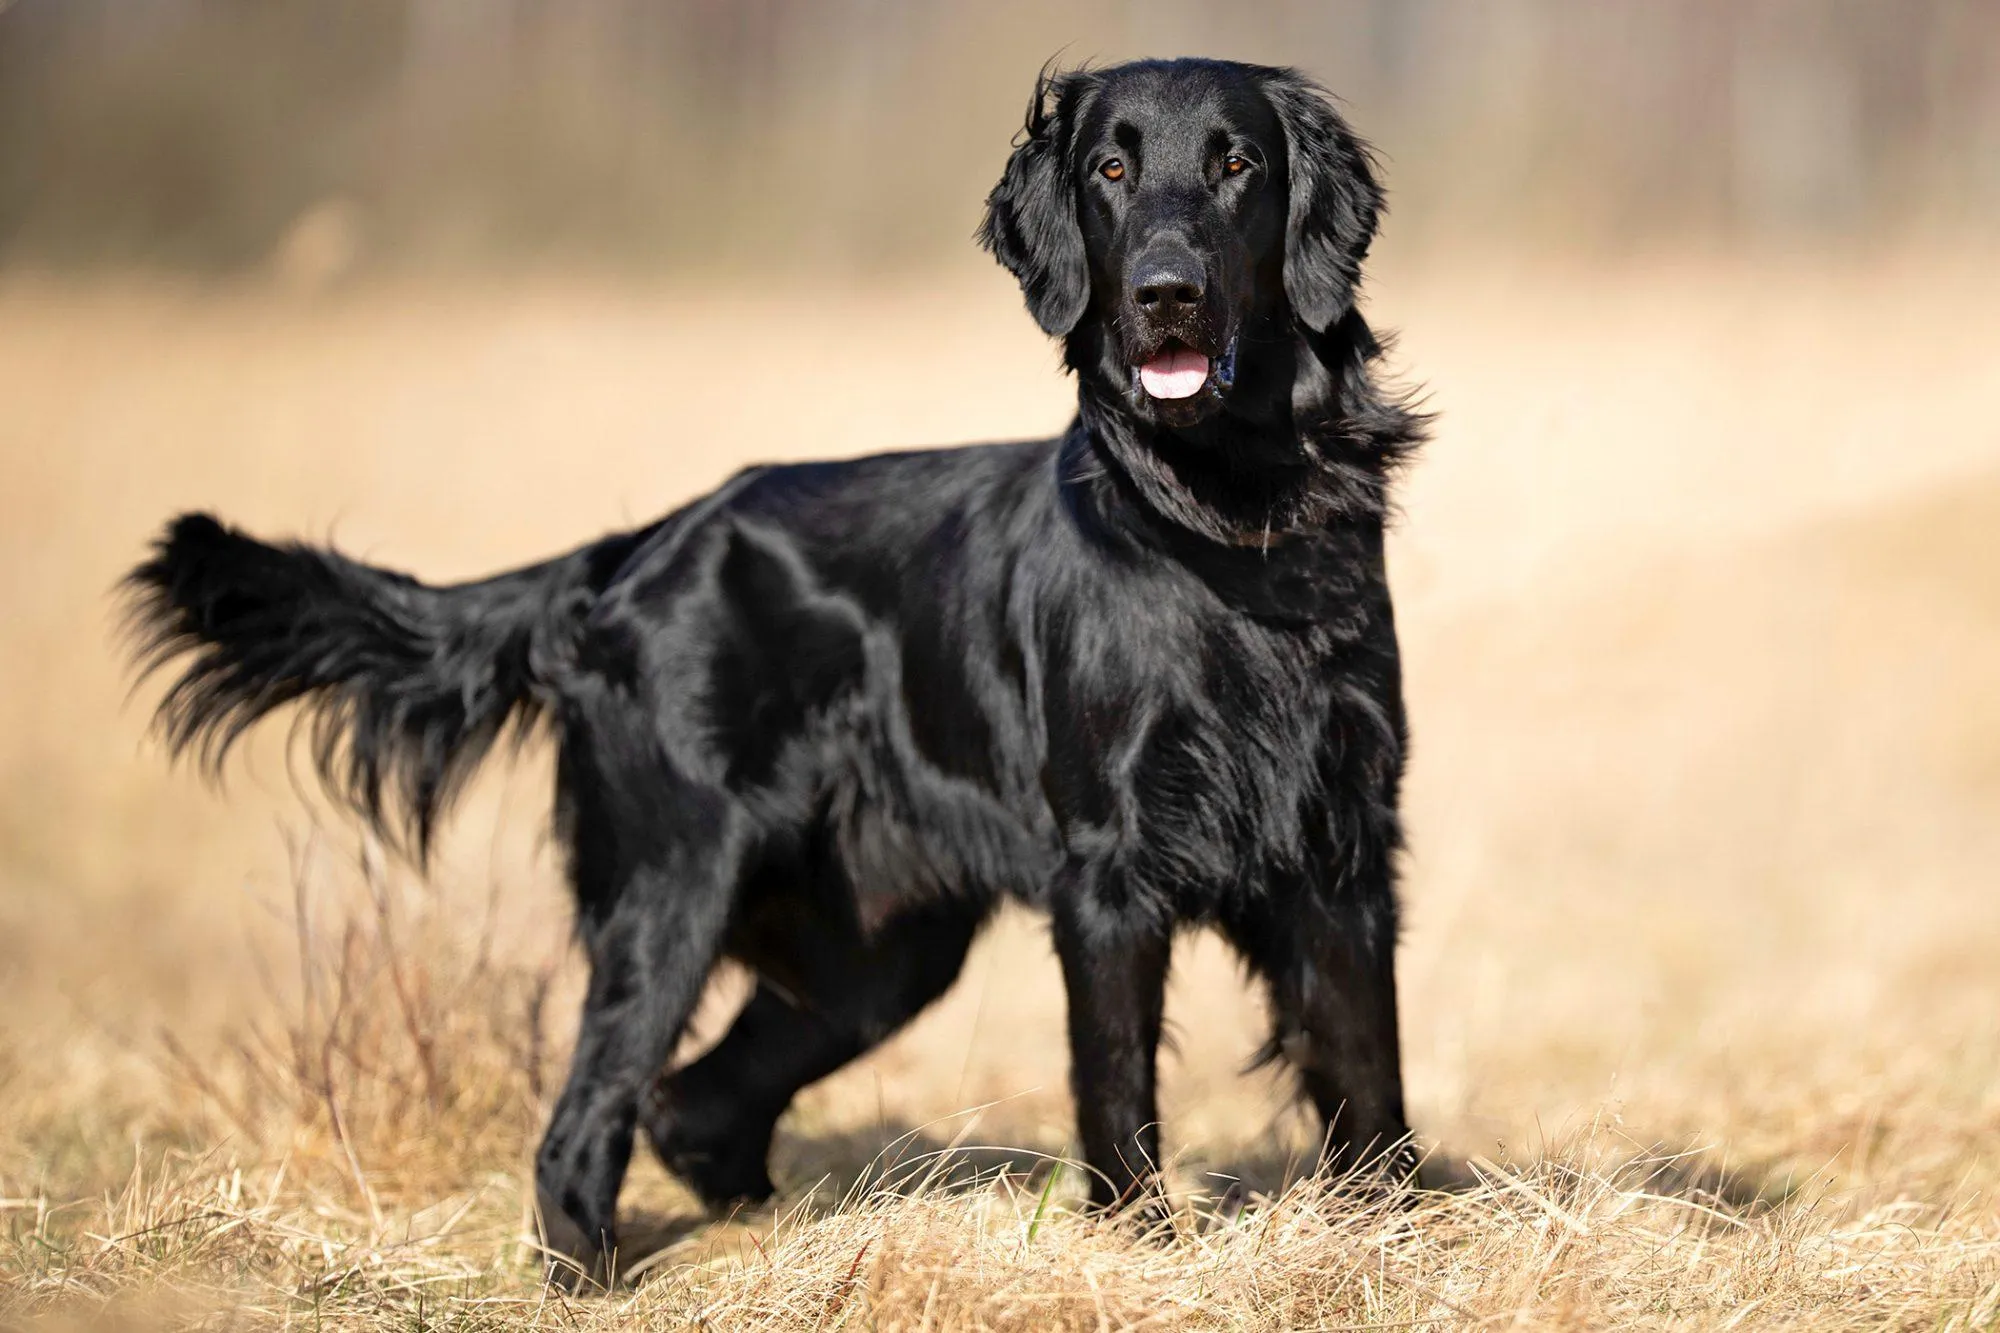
[[406, 686]]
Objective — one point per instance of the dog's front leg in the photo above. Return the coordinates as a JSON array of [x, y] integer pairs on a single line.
[[1330, 962], [1114, 958]]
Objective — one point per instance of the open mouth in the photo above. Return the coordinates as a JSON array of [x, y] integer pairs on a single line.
[[1179, 371]]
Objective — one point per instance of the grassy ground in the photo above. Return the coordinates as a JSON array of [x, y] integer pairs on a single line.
[[1701, 600]]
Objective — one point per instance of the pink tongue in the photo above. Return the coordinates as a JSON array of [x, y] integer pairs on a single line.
[[1176, 374]]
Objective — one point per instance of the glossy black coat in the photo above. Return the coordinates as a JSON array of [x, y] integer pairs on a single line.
[[823, 720]]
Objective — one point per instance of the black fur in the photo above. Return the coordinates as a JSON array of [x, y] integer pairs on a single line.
[[1143, 675]]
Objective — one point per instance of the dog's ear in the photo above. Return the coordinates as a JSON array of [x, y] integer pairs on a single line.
[[1030, 221], [1334, 201]]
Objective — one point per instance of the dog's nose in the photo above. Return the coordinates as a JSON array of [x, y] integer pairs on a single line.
[[1169, 285]]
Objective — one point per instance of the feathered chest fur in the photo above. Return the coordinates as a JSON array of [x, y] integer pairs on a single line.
[[1203, 749]]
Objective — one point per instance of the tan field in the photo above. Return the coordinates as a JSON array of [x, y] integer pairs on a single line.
[[1700, 590]]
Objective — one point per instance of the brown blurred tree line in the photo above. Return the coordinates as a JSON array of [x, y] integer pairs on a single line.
[[213, 135]]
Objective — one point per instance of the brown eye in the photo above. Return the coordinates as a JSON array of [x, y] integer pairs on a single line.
[[1235, 165], [1113, 170]]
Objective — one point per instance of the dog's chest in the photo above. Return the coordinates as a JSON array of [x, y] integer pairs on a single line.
[[1199, 752]]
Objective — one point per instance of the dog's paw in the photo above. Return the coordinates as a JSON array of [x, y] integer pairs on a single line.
[[719, 1155], [577, 1263]]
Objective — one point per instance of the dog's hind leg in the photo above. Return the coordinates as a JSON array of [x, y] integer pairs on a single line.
[[654, 888], [711, 1122]]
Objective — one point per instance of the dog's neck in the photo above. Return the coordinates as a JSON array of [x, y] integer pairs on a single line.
[[1274, 475]]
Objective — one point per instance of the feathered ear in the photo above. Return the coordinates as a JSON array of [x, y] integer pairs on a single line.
[[1030, 224], [1334, 201]]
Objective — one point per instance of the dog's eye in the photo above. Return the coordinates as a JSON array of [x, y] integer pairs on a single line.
[[1235, 165], [1112, 170]]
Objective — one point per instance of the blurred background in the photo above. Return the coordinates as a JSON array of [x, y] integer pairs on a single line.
[[1699, 579], [387, 135]]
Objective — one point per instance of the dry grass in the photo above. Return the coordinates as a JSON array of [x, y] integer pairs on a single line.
[[1702, 607]]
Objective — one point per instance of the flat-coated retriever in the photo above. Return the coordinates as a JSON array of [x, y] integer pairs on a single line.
[[1143, 675]]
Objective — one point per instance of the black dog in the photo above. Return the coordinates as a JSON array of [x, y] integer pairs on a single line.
[[821, 721]]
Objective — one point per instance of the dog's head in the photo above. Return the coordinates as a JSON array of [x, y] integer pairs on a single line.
[[1177, 221]]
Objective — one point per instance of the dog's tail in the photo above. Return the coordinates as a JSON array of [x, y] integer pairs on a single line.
[[405, 686]]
